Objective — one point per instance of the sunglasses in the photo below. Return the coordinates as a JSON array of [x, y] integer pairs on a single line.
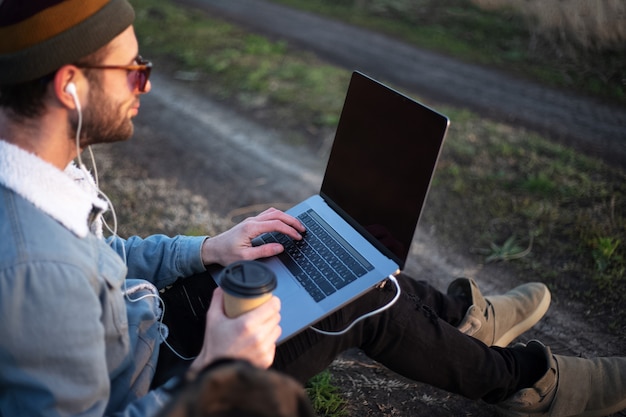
[[141, 70]]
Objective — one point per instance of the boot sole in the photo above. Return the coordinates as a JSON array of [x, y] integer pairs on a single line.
[[527, 323]]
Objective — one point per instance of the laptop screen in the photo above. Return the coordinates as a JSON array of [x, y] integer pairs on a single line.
[[384, 155]]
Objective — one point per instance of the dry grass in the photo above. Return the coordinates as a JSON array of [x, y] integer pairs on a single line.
[[590, 24], [575, 44], [146, 205]]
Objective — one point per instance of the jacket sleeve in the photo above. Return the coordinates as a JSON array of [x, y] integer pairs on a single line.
[[160, 259]]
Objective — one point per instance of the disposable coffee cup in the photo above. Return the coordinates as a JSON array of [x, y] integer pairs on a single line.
[[246, 285]]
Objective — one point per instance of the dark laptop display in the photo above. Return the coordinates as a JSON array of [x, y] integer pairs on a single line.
[[381, 164]]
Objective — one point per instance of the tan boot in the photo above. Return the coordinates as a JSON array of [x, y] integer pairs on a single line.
[[499, 319], [571, 387]]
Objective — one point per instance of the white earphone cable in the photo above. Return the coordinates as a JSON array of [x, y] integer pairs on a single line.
[[364, 316], [113, 230]]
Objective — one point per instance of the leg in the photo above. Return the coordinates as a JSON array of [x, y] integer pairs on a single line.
[[450, 307], [309, 353], [494, 320], [410, 339]]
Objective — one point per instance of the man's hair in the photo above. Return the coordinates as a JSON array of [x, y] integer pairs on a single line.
[[26, 100]]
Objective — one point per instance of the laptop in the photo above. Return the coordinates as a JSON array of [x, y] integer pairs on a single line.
[[361, 224]]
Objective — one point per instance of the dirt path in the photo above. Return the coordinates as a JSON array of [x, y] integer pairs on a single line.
[[239, 167], [590, 125]]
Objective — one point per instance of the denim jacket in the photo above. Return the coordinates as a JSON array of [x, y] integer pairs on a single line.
[[79, 315]]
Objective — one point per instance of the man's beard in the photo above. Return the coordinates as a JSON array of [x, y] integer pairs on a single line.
[[103, 121]]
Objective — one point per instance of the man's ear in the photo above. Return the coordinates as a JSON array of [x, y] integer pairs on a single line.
[[66, 77]]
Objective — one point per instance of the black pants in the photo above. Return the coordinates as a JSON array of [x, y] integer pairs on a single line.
[[416, 338]]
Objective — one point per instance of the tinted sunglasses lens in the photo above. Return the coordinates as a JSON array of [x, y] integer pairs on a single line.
[[143, 74], [142, 78]]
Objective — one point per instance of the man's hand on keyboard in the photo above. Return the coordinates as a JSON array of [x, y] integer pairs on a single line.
[[236, 244]]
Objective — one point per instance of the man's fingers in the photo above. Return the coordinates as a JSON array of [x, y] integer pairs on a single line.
[[274, 214]]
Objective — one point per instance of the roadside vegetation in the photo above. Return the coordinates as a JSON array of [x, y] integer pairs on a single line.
[[500, 194], [579, 45]]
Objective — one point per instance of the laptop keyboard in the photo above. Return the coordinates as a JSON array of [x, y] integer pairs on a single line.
[[322, 261]]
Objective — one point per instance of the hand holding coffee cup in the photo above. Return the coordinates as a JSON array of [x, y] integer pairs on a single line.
[[246, 285]]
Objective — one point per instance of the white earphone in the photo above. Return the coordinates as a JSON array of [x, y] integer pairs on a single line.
[[71, 90]]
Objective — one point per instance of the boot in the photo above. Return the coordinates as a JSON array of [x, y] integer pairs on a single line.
[[497, 320], [570, 387]]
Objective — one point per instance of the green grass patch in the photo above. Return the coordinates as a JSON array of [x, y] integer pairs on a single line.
[[324, 396]]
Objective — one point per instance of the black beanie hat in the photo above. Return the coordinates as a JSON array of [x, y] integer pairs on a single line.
[[39, 36]]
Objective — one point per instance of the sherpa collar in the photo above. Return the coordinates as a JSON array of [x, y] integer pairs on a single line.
[[69, 197]]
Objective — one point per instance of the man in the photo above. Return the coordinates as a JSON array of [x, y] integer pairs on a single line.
[[79, 316]]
